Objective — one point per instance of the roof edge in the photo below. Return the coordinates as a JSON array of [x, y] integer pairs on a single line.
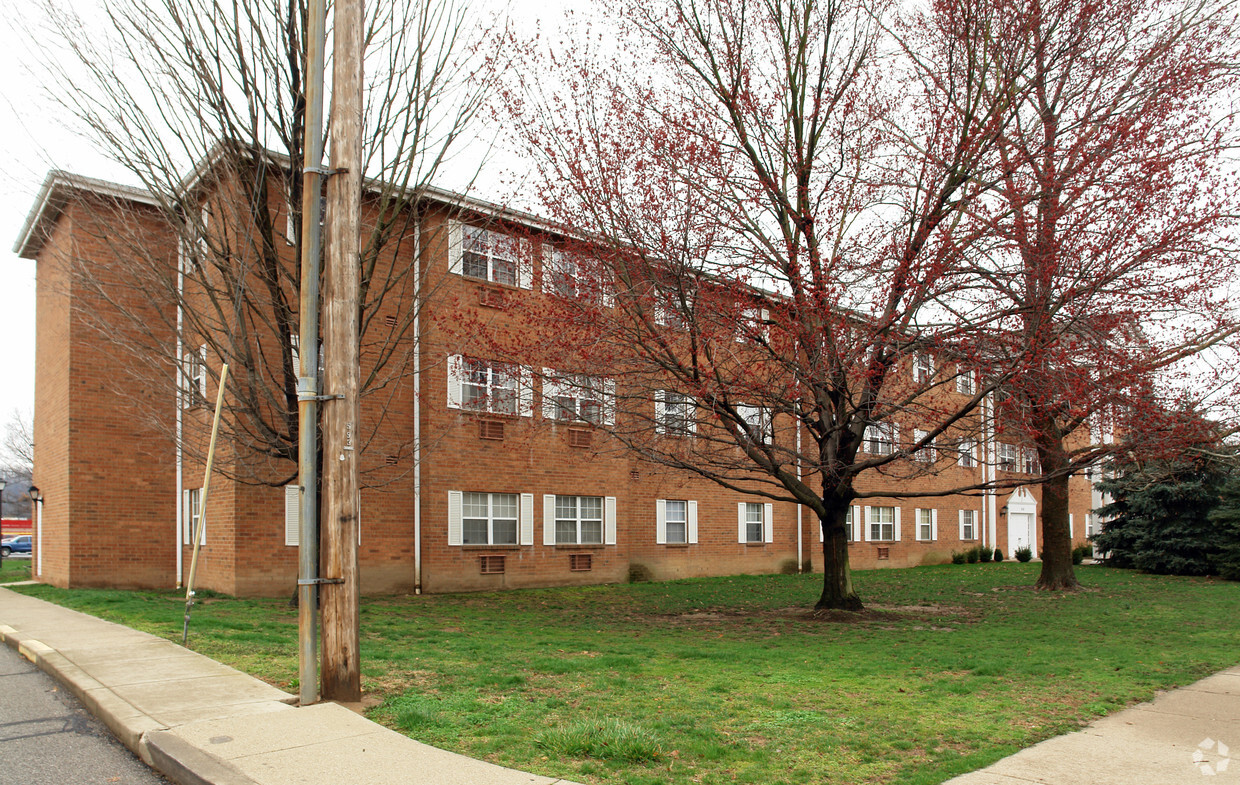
[[54, 194]]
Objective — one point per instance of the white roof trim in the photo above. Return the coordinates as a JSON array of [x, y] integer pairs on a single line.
[[55, 193]]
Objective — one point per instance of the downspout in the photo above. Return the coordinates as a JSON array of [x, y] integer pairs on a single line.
[[988, 435], [180, 384], [417, 409], [800, 507]]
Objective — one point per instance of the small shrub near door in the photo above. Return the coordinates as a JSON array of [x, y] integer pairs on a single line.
[[957, 558], [984, 555], [1023, 554], [1082, 552], [971, 555], [998, 555]]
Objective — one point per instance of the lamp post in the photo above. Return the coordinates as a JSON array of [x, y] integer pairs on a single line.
[[35, 498], [2, 484]]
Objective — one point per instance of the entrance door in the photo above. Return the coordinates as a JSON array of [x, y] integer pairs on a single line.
[[1020, 531]]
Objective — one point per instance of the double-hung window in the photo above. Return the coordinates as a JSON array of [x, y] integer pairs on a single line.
[[489, 518], [968, 524], [674, 413], [758, 421], [676, 513], [927, 525], [489, 387], [1008, 456], [192, 511], [489, 256], [755, 522], [880, 438], [1029, 461], [574, 277], [196, 377], [926, 454], [968, 453], [578, 520], [923, 367], [965, 383], [578, 398], [882, 523]]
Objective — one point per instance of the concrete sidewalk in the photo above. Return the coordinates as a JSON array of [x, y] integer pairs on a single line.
[[202, 723]]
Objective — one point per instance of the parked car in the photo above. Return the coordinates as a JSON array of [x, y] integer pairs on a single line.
[[19, 544]]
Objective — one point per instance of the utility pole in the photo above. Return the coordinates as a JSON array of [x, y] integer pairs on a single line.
[[308, 355], [341, 376]]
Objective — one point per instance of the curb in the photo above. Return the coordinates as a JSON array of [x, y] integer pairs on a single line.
[[185, 764]]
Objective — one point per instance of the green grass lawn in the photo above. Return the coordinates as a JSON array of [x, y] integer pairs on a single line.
[[13, 570], [732, 680]]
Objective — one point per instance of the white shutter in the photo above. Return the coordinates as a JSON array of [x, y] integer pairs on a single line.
[[658, 412], [456, 243], [1071, 526], [185, 520], [857, 523], [608, 290], [455, 503], [549, 519], [527, 519], [609, 520], [525, 263], [660, 521], [692, 414], [960, 534], [691, 536], [609, 401], [934, 525], [292, 514], [550, 389], [202, 380], [456, 376], [897, 537], [742, 535], [525, 392], [768, 521], [548, 266], [867, 530]]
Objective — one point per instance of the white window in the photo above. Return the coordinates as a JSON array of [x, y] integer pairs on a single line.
[[675, 521], [927, 525], [578, 398], [923, 367], [928, 453], [965, 382], [1029, 461], [192, 512], [481, 518], [196, 377], [880, 438], [489, 518], [850, 522], [672, 309], [754, 522], [968, 524], [489, 256], [1008, 457], [571, 276], [758, 420], [578, 520], [484, 386], [968, 453], [674, 413], [882, 523], [753, 325]]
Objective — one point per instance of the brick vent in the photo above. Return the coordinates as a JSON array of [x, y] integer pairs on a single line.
[[491, 565], [580, 562], [884, 553], [391, 460], [579, 437], [391, 320], [490, 298], [490, 429]]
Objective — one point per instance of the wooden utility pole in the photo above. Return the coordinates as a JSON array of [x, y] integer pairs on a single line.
[[341, 373]]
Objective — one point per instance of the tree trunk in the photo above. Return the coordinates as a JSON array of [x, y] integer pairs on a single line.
[[837, 588], [1057, 573]]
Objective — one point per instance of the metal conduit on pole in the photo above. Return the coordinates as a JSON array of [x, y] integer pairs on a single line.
[[307, 382]]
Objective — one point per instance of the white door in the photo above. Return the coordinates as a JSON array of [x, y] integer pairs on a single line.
[[1020, 531]]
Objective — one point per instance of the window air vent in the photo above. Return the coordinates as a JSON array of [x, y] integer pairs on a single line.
[[391, 460], [491, 298], [579, 437], [491, 565], [490, 429], [884, 553], [391, 320], [634, 474], [580, 562]]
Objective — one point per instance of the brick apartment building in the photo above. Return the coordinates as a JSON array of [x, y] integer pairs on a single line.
[[478, 475]]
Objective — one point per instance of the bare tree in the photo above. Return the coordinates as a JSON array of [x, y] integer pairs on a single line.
[[202, 105], [17, 463]]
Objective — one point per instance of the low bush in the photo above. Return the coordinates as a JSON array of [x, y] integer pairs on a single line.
[[971, 555], [957, 558], [1082, 552], [998, 555], [1023, 554], [984, 555]]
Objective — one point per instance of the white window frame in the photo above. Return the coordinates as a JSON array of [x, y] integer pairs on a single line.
[[927, 454], [967, 454], [459, 368], [461, 236], [755, 514], [759, 419], [525, 519], [876, 527], [568, 276], [579, 390], [578, 519], [968, 525], [690, 522], [491, 518], [687, 426], [753, 322], [966, 383], [927, 524], [923, 367], [196, 377], [1029, 463], [192, 514], [1007, 457], [880, 438]]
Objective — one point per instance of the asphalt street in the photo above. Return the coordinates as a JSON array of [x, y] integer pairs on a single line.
[[47, 738]]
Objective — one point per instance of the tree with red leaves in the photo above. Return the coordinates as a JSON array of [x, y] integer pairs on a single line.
[[1111, 235], [765, 202]]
